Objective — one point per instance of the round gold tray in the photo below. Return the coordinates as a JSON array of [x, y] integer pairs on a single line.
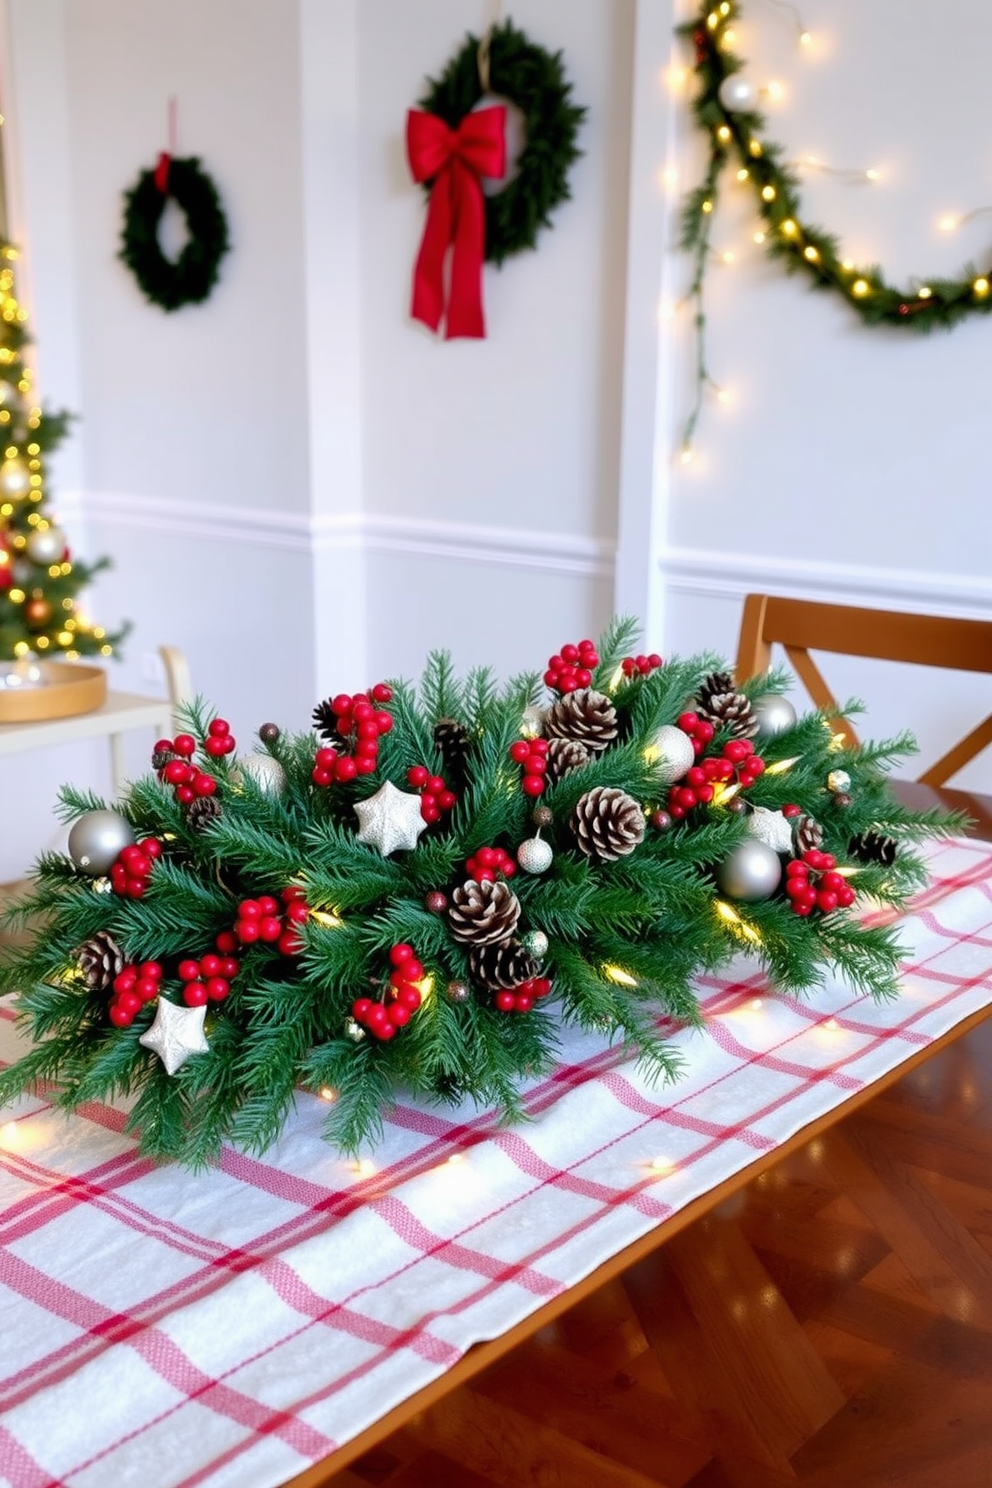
[[31, 691]]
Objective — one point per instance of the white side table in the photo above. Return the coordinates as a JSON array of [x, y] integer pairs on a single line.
[[118, 715]]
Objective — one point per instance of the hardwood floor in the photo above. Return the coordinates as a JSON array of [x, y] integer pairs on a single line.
[[831, 1326]]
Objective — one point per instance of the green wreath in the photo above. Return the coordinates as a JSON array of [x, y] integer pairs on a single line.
[[535, 81], [188, 280]]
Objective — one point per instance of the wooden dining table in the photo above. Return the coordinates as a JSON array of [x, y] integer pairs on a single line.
[[181, 1329]]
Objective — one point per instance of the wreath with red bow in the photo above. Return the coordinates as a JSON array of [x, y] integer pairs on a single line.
[[189, 279], [452, 145]]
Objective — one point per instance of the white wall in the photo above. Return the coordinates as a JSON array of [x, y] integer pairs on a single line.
[[852, 463]]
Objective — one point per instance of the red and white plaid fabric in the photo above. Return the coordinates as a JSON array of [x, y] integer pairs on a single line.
[[233, 1327]]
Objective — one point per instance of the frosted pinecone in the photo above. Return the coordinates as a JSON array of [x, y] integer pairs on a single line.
[[100, 959], [806, 834], [482, 913], [503, 965], [585, 716], [201, 812], [873, 847], [724, 707], [564, 756], [607, 823]]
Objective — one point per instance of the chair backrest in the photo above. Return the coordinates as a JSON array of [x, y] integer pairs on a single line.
[[801, 625]]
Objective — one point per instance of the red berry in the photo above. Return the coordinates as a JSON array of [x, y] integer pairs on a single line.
[[269, 928], [532, 785], [189, 970], [151, 969], [320, 776], [119, 1016], [418, 775], [194, 994], [267, 904], [795, 887], [125, 979], [325, 757], [754, 765], [398, 954], [446, 799], [249, 909], [215, 747], [360, 1008], [383, 722], [792, 809], [799, 907], [826, 901], [654, 660], [229, 967], [541, 986], [583, 676], [341, 705], [226, 942], [737, 750], [297, 913], [136, 888], [162, 746], [184, 744], [118, 877], [519, 750], [219, 726], [413, 970], [204, 785], [523, 1003], [289, 943], [346, 768], [209, 964], [217, 988], [382, 693], [687, 722], [176, 772], [409, 996], [247, 930], [362, 710], [505, 1001], [399, 1014]]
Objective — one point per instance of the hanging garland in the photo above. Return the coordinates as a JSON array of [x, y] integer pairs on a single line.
[[190, 278], [724, 111], [451, 149]]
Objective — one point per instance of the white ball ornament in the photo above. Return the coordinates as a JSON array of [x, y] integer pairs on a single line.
[[264, 771], [774, 714], [46, 546], [535, 855], [676, 754], [736, 94], [95, 840], [15, 479], [750, 871]]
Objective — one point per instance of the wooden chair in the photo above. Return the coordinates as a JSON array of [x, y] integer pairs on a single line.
[[800, 625]]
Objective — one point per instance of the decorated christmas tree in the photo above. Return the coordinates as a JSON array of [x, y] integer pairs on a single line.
[[418, 893], [39, 580]]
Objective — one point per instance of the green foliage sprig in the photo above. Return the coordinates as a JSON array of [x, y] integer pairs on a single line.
[[737, 138], [626, 938]]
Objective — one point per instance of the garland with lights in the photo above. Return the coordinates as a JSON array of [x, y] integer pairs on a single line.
[[39, 578], [533, 79], [417, 897], [724, 109], [192, 276]]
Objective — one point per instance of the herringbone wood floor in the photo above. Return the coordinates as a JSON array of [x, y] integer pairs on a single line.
[[829, 1326]]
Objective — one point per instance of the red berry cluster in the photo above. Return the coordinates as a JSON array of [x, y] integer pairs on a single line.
[[697, 785], [790, 809], [435, 796], [358, 718], [747, 765], [640, 666], [571, 667], [531, 754], [521, 999], [187, 781], [700, 730], [219, 738], [130, 873], [811, 883], [272, 922], [209, 978], [486, 862], [403, 996], [133, 987]]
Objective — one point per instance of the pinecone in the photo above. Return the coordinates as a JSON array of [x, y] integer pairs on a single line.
[[482, 913], [325, 720], [201, 812], [454, 741], [584, 716], [564, 756], [607, 823], [873, 847], [806, 834], [503, 965], [721, 704], [161, 757], [100, 959]]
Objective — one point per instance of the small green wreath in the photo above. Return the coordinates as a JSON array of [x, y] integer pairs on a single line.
[[535, 81], [188, 280]]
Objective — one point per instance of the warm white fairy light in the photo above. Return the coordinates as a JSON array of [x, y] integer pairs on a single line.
[[618, 975]]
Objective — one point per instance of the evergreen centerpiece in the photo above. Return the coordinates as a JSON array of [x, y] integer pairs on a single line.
[[419, 897], [39, 581]]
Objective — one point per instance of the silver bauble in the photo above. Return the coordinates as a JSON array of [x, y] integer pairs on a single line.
[[736, 94], [263, 770], [458, 992], [750, 871], [532, 722], [535, 855], [838, 780], [96, 839], [771, 828], [46, 546], [774, 714], [15, 479], [676, 754], [535, 943]]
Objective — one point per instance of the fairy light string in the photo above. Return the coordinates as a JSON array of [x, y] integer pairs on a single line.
[[735, 132]]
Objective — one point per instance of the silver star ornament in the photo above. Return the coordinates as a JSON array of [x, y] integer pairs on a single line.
[[176, 1034], [390, 820]]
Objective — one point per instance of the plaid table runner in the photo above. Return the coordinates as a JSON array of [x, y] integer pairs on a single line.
[[233, 1327]]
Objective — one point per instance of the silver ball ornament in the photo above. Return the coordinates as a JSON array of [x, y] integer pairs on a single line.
[[95, 840], [535, 943], [47, 546], [676, 754], [736, 94], [838, 780], [750, 871], [532, 722], [535, 855], [774, 714], [263, 770], [458, 992]]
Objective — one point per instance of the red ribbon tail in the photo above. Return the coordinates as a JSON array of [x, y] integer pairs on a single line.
[[162, 171], [465, 314], [427, 304]]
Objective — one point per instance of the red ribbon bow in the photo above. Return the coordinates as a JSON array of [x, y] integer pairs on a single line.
[[454, 159]]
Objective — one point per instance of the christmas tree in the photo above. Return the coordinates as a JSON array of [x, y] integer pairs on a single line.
[[417, 893], [39, 581]]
